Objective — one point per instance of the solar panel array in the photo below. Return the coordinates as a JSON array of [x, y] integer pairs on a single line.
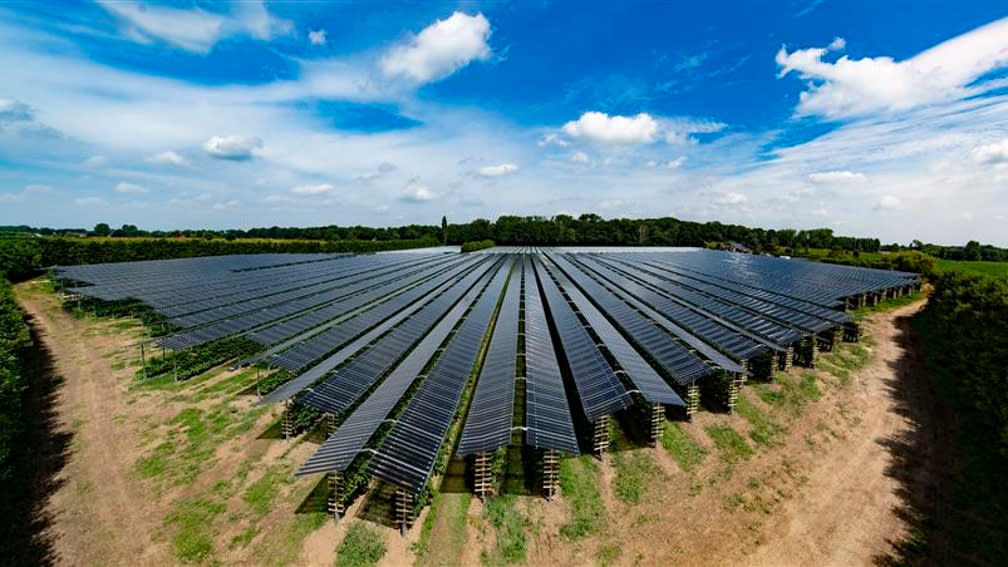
[[397, 338]]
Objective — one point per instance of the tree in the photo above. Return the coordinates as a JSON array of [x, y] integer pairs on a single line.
[[972, 250], [444, 230], [102, 229]]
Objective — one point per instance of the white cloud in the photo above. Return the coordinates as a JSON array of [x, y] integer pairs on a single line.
[[440, 49], [317, 37], [167, 158], [236, 148], [889, 202], [88, 201], [14, 111], [317, 189], [277, 199], [225, 205], [553, 140], [125, 187], [837, 177], [651, 163], [837, 44], [417, 194], [580, 157], [498, 170], [600, 127], [854, 87], [194, 30], [35, 188], [676, 163], [992, 153], [95, 162], [731, 198]]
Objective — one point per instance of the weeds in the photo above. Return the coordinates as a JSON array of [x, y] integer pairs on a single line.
[[683, 448], [363, 546]]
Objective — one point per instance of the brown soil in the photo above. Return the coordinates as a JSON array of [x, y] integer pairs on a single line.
[[826, 495]]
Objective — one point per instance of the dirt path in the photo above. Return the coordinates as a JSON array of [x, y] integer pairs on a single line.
[[846, 514], [98, 512]]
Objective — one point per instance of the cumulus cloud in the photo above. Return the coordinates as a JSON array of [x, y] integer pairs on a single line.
[[676, 163], [837, 177], [890, 203], [317, 37], [238, 148], [600, 127], [125, 187], [992, 153], [167, 158], [194, 30], [317, 189], [440, 49], [417, 194], [580, 157], [498, 170], [852, 87]]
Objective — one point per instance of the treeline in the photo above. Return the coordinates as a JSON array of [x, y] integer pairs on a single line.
[[963, 332], [13, 338], [973, 251], [332, 232], [20, 257]]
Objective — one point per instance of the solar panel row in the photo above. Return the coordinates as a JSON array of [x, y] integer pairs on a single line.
[[407, 456]]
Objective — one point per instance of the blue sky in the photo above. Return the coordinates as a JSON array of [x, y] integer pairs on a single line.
[[884, 119]]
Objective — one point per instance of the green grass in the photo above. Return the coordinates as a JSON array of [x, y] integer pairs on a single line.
[[607, 555], [809, 387], [635, 471], [192, 522], [730, 443], [683, 448], [509, 527], [765, 431], [443, 532], [261, 493], [976, 267], [580, 488], [363, 546]]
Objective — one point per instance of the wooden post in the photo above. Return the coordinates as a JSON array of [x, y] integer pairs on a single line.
[[813, 351], [143, 361], [335, 501], [285, 421], [601, 436], [404, 510], [746, 368], [550, 474], [481, 475], [657, 422], [692, 399], [733, 384]]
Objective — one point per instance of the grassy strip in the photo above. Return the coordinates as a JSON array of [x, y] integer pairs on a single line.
[[580, 489], [765, 431], [730, 443], [509, 527], [363, 546], [193, 524], [683, 448], [445, 526]]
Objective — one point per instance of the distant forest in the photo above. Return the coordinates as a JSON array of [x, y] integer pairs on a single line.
[[564, 230]]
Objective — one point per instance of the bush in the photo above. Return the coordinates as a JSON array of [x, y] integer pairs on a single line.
[[475, 245], [13, 337]]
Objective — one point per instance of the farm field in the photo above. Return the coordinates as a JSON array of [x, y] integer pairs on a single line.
[[163, 460]]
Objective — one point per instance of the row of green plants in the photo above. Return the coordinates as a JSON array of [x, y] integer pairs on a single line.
[[183, 364], [13, 338], [22, 257], [475, 245]]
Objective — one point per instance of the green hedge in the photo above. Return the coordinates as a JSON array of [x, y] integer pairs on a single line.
[[13, 337], [477, 245]]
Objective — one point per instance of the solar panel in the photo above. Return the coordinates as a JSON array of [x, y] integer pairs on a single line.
[[548, 422], [407, 456], [668, 353], [343, 446], [488, 424], [651, 386], [599, 389]]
